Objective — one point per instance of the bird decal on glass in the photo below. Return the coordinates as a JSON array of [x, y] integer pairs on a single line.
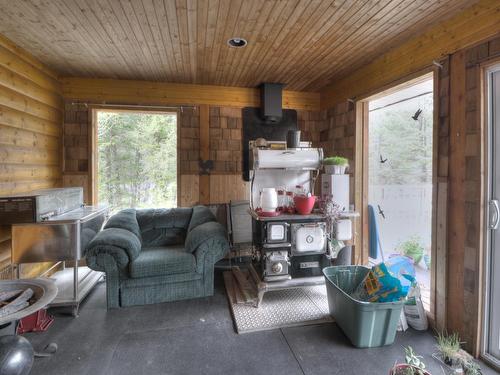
[[417, 114], [380, 211], [382, 160]]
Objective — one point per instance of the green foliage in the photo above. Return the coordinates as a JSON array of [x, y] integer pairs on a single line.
[[448, 345], [137, 159], [416, 365], [404, 142], [335, 160], [471, 368], [412, 248], [414, 360]]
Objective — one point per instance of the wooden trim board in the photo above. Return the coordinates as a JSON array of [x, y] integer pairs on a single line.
[[115, 91]]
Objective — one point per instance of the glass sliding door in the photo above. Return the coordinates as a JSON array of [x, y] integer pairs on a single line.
[[400, 177], [492, 310]]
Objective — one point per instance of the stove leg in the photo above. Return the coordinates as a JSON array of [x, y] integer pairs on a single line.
[[260, 296]]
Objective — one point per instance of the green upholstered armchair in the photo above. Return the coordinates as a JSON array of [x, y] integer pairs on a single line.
[[158, 255]]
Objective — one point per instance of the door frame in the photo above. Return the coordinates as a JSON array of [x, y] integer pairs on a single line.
[[437, 314], [485, 121], [94, 147]]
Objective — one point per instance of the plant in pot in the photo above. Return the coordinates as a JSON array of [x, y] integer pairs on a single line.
[[335, 164], [457, 359], [413, 364], [332, 212], [412, 248], [448, 347]]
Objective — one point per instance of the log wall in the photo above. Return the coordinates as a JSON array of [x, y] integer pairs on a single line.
[[30, 131]]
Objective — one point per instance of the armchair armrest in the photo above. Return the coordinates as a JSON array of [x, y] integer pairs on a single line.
[[207, 241], [119, 244]]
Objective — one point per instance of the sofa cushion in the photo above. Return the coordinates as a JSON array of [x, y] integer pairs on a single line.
[[163, 227], [125, 219], [202, 233], [164, 260], [201, 215]]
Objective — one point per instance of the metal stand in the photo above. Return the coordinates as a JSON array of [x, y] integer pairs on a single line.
[[73, 284], [269, 286]]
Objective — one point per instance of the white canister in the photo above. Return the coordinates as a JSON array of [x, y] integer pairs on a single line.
[[269, 200]]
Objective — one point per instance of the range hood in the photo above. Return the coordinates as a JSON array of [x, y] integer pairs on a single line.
[[271, 101]]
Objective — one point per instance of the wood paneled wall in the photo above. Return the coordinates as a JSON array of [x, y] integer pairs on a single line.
[[223, 145], [466, 187], [479, 22], [460, 149], [30, 129]]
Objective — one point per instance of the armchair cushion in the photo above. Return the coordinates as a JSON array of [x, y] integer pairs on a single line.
[[163, 227], [202, 233], [201, 215], [121, 244], [157, 261], [125, 219]]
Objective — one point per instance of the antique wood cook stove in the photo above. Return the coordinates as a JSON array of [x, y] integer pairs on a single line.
[[292, 248]]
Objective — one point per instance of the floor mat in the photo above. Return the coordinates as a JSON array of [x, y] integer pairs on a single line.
[[282, 308]]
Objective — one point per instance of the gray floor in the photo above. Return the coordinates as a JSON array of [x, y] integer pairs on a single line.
[[197, 337]]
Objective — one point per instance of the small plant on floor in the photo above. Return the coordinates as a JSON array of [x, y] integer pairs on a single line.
[[471, 368], [412, 248], [467, 363], [413, 366], [448, 347]]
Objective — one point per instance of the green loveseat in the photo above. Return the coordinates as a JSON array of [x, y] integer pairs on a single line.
[[158, 255]]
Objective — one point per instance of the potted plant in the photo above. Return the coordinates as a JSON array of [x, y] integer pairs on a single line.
[[335, 164], [448, 347], [471, 367], [332, 211], [413, 364], [457, 359], [413, 249]]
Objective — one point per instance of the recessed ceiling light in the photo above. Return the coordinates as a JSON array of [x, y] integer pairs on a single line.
[[237, 42]]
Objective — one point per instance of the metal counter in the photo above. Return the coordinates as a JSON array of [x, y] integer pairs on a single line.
[[62, 239]]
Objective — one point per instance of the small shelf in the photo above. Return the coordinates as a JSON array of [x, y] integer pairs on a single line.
[[64, 280]]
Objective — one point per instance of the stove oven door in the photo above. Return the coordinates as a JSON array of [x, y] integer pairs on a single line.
[[308, 238], [277, 232]]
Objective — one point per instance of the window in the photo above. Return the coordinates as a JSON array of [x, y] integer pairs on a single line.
[[136, 159]]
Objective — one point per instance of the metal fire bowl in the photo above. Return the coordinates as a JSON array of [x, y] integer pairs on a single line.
[[45, 290]]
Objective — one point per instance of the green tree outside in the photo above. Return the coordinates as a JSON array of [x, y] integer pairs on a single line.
[[137, 159], [405, 143]]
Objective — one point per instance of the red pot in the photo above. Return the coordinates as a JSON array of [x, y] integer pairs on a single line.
[[303, 204]]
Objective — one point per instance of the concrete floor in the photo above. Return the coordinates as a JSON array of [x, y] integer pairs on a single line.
[[197, 337]]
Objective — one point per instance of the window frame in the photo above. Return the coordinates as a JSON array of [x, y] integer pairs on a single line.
[[94, 149]]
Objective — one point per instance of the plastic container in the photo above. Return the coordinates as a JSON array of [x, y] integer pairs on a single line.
[[366, 324], [303, 204]]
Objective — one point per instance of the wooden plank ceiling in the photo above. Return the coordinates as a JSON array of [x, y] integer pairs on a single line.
[[305, 44]]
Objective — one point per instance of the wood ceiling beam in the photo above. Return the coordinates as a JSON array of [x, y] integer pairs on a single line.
[[479, 22], [113, 91]]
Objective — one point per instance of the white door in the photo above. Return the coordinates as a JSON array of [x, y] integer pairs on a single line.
[[492, 321]]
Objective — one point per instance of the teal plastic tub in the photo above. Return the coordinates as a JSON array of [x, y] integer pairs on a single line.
[[366, 324]]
